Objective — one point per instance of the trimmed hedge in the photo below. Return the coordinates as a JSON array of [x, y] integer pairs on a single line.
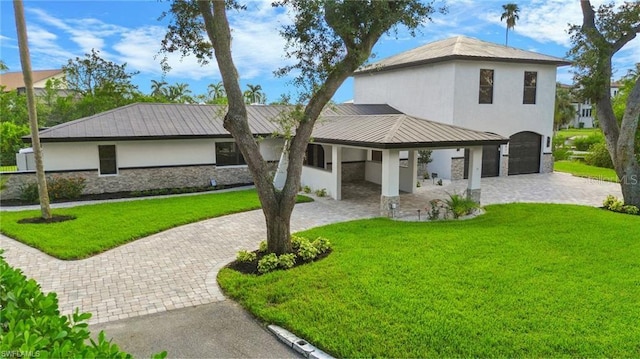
[[31, 324]]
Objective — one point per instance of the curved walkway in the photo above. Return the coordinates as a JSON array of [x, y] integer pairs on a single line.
[[178, 268]]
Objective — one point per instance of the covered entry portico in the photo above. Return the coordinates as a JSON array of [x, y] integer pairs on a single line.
[[379, 140]]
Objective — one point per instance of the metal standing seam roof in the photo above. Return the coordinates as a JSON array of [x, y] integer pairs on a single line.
[[379, 126], [460, 48], [398, 131]]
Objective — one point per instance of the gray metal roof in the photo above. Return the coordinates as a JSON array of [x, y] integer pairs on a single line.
[[398, 131], [379, 126], [460, 48]]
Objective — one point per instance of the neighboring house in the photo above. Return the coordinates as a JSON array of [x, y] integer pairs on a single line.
[[477, 85], [15, 80], [585, 112]]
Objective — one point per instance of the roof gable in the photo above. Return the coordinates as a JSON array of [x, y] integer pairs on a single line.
[[460, 48]]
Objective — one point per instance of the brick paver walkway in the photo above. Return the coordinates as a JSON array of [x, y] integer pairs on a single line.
[[178, 268]]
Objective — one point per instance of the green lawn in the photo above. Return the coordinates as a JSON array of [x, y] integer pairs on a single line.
[[8, 168], [523, 280], [571, 132], [581, 169], [100, 227]]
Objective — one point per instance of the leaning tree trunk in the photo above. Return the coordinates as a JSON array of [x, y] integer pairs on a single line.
[[626, 162], [25, 60]]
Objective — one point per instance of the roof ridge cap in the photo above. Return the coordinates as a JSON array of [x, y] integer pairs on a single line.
[[394, 129]]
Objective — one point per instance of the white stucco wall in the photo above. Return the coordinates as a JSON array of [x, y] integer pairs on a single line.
[[373, 172], [426, 91], [130, 154], [317, 178]]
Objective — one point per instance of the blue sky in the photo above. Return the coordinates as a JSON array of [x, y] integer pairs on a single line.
[[129, 31]]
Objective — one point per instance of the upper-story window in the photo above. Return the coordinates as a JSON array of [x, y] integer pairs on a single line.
[[486, 86], [530, 83], [228, 154], [107, 159], [315, 156]]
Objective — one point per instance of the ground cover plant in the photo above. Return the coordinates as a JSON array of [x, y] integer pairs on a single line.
[[572, 132], [581, 169], [523, 280], [97, 228]]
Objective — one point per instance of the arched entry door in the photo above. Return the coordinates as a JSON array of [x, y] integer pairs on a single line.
[[524, 153]]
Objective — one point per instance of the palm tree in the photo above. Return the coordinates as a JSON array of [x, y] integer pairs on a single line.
[[3, 66], [254, 94], [157, 88], [216, 91], [564, 111], [25, 60], [511, 15], [179, 92]]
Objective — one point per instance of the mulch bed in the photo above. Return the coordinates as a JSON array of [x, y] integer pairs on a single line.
[[252, 267], [40, 220]]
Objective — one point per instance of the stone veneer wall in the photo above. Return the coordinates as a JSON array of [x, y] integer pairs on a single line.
[[457, 168], [547, 163], [139, 179], [504, 165], [353, 171]]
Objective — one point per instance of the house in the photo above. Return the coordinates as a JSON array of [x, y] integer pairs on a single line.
[[585, 115], [15, 80], [477, 85], [150, 146], [484, 110]]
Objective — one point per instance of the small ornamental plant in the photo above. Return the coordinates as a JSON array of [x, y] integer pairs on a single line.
[[614, 204], [304, 251]]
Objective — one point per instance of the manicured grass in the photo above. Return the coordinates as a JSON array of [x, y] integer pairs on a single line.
[[8, 168], [571, 132], [523, 280], [584, 170], [100, 227]]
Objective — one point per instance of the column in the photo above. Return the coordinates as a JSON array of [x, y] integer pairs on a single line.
[[336, 172], [390, 196], [475, 173]]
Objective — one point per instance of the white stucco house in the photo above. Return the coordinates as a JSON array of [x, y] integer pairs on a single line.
[[476, 85], [484, 109]]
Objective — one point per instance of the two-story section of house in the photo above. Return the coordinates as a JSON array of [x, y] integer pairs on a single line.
[[477, 85]]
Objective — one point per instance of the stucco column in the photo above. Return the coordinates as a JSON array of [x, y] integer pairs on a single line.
[[413, 169], [336, 172], [475, 173], [390, 196]]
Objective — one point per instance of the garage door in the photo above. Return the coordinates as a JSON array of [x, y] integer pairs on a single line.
[[490, 161], [524, 153]]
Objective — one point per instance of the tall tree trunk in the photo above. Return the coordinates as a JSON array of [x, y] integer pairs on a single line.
[[25, 60]]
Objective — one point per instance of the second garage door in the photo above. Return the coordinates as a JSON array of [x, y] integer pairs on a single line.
[[524, 153]]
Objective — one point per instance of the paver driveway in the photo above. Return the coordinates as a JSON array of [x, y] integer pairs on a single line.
[[177, 268]]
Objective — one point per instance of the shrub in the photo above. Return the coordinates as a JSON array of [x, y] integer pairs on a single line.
[[262, 247], [614, 204], [29, 192], [460, 205], [287, 260], [609, 201], [306, 189], [65, 188], [268, 263], [599, 156], [630, 209], [561, 153], [322, 244], [246, 256], [307, 251], [321, 192], [296, 240], [32, 326], [584, 142]]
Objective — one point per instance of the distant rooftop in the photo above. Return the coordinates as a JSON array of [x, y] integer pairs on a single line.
[[15, 80], [460, 48]]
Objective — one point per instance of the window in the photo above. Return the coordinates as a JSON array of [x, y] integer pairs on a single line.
[[376, 156], [314, 156], [227, 154], [586, 112], [107, 156], [486, 86], [530, 82]]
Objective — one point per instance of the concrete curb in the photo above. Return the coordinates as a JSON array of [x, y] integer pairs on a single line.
[[300, 345]]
